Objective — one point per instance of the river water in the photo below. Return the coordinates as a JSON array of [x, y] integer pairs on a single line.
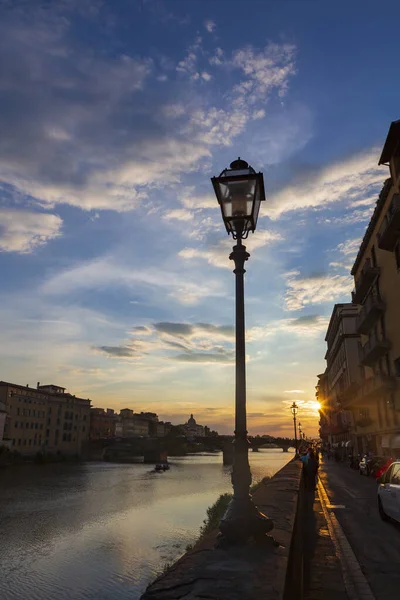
[[103, 531]]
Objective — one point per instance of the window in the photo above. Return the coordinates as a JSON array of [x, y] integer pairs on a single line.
[[397, 254], [30, 442], [395, 475], [373, 256], [18, 411], [32, 424], [24, 442], [19, 442], [27, 425], [36, 425], [16, 424], [396, 363], [83, 428], [47, 433], [64, 437]]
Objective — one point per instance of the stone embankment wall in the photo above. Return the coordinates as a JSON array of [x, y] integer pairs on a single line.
[[252, 571]]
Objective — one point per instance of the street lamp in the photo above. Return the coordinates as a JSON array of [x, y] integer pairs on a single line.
[[300, 430], [239, 191], [294, 408]]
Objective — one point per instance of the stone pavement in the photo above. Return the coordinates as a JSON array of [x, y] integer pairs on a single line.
[[323, 578]]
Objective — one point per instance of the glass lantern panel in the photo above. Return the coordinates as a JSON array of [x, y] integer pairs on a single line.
[[257, 202]]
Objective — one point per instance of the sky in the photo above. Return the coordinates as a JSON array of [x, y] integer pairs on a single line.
[[114, 262]]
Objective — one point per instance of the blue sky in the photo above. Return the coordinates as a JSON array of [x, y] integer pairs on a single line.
[[116, 281]]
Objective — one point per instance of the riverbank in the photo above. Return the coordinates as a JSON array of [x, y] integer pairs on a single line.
[[252, 571]]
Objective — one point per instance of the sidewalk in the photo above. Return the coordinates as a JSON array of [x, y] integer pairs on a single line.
[[323, 579]]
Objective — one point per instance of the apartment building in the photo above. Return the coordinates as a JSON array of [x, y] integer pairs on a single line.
[[376, 273], [338, 385], [45, 418], [102, 423]]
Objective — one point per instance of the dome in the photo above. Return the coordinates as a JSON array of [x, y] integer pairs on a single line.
[[191, 422]]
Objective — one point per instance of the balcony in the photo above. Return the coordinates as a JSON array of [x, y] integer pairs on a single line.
[[370, 312], [366, 278], [389, 232], [376, 386], [373, 350]]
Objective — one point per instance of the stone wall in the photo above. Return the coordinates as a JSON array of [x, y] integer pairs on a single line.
[[253, 571]]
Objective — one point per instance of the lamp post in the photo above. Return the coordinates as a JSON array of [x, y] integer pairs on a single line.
[[300, 430], [294, 408], [239, 191]]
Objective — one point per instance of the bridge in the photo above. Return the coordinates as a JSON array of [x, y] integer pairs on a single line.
[[155, 450]]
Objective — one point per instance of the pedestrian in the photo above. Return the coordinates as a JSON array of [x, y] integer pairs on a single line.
[[311, 470]]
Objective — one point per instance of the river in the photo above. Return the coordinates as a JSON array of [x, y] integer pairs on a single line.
[[101, 531]]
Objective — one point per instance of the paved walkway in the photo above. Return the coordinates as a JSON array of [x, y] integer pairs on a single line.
[[323, 578]]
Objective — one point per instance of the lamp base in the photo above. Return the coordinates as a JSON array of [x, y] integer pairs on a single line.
[[243, 521]]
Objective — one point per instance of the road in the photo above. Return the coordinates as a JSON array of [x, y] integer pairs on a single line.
[[365, 540]]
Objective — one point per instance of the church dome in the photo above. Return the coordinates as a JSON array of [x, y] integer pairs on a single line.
[[191, 422]]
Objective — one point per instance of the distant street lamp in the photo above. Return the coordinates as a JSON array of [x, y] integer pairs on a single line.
[[294, 408], [239, 191], [300, 430]]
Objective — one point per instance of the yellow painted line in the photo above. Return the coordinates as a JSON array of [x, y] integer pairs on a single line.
[[357, 587]]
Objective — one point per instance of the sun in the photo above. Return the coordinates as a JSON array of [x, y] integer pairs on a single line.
[[315, 405]]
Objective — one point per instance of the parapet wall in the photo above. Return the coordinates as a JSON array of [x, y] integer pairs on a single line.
[[252, 571]]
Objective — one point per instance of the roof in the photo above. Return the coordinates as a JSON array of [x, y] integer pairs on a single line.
[[371, 225], [51, 385], [392, 139]]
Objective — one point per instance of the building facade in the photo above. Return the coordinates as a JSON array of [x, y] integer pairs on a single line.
[[191, 429], [102, 423], [376, 274], [45, 418], [338, 386]]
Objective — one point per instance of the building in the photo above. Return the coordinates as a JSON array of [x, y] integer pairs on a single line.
[[191, 429], [45, 418], [102, 423], [337, 386], [3, 417], [130, 424], [376, 274]]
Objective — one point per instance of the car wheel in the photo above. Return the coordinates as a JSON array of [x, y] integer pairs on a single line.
[[382, 513]]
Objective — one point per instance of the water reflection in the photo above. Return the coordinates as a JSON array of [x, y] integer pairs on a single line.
[[103, 531]]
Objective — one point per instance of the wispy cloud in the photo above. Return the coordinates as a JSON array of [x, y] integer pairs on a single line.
[[22, 231], [315, 289], [344, 181], [210, 25]]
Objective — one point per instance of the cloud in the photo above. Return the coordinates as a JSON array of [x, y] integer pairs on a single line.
[[178, 214], [210, 25], [108, 271], [268, 69], [316, 289], [204, 357], [23, 231], [218, 254], [195, 342], [294, 392], [188, 330], [344, 181], [117, 351]]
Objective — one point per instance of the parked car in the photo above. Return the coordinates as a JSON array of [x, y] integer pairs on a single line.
[[389, 493], [369, 465]]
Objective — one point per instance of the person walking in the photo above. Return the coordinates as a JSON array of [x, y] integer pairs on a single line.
[[311, 470]]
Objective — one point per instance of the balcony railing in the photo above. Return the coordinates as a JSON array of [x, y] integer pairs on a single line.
[[370, 312], [389, 232], [366, 278], [373, 350], [376, 386]]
